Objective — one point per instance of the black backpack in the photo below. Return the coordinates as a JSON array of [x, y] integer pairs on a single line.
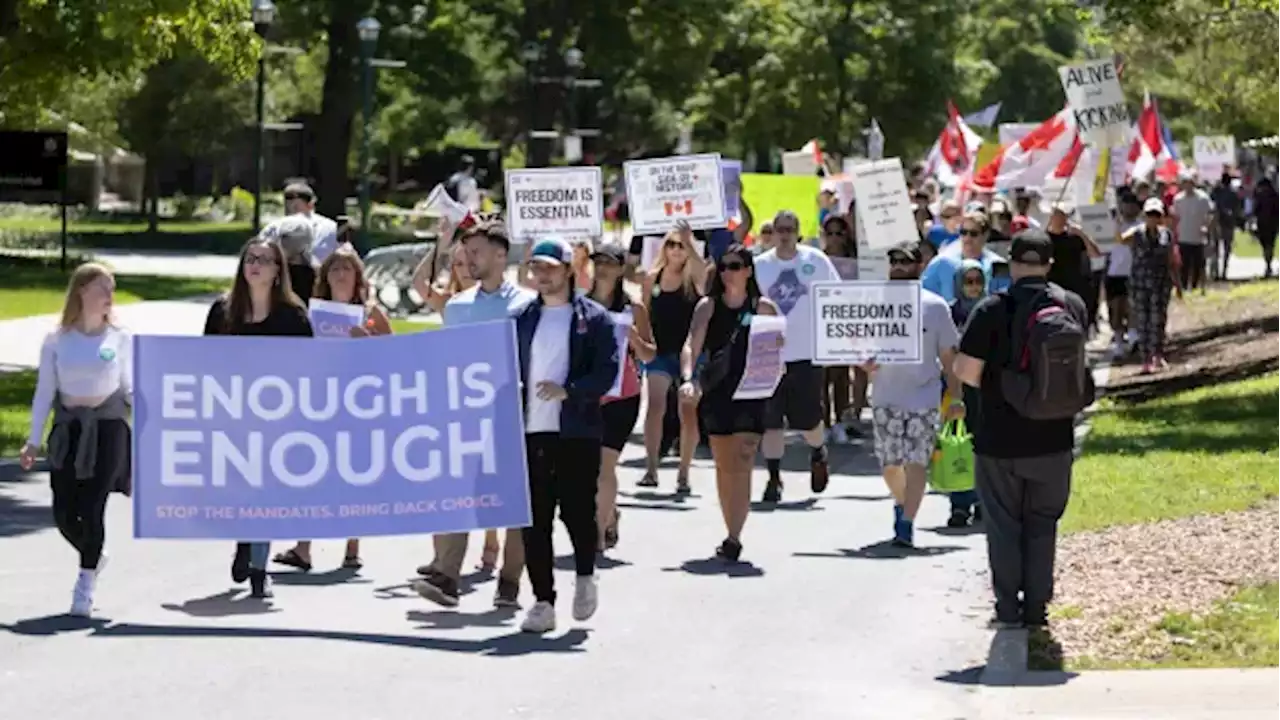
[[1047, 377]]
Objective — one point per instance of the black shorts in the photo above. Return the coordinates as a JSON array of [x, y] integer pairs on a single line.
[[797, 403], [1192, 254], [619, 420], [1116, 287], [720, 414]]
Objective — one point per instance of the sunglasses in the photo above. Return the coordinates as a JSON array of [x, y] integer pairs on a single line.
[[899, 260], [673, 244], [971, 233], [785, 228], [1155, 215], [732, 266], [264, 260], [973, 281], [296, 196]]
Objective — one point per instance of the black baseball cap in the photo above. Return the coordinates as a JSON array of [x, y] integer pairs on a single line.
[[1031, 247], [909, 250], [611, 251]]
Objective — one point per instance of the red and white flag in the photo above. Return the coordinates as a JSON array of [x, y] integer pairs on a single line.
[[955, 150], [813, 146], [1149, 153], [1029, 161]]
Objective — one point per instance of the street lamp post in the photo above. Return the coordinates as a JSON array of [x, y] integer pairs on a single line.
[[368, 30], [264, 14]]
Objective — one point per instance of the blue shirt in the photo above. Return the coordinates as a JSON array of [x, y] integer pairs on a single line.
[[939, 237], [474, 305], [940, 275]]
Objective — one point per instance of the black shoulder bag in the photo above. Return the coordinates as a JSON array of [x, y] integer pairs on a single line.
[[714, 371]]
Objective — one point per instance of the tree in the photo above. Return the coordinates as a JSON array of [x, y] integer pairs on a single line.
[[45, 46]]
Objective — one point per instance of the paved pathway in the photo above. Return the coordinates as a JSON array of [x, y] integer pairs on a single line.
[[826, 622]]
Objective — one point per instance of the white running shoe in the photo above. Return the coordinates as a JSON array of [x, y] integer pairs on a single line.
[[541, 618], [585, 598], [82, 595]]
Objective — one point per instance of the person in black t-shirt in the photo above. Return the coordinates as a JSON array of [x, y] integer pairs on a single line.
[[1022, 466], [1072, 250]]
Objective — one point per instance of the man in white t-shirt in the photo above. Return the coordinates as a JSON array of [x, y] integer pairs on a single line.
[[1193, 213], [785, 275], [300, 200]]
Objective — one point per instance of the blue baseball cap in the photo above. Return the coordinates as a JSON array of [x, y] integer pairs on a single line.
[[552, 251]]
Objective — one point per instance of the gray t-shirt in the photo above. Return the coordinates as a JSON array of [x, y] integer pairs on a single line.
[[919, 386], [1193, 210]]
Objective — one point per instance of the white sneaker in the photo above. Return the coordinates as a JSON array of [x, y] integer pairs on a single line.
[[541, 618], [82, 595], [837, 435], [585, 598]]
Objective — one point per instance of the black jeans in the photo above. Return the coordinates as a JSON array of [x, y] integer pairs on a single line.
[[79, 505], [562, 471], [1022, 500]]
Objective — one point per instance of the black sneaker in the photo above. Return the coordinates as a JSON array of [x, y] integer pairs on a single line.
[[729, 550], [819, 473], [240, 563], [772, 492], [258, 586], [977, 514], [438, 589], [958, 519], [507, 595]]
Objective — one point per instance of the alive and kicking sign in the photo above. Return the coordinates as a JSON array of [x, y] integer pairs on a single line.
[[1096, 100]]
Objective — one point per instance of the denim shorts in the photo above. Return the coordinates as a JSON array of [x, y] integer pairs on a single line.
[[668, 365]]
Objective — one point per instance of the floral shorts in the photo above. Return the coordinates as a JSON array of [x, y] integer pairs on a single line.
[[905, 437]]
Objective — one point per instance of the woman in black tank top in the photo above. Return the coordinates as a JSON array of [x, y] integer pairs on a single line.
[[671, 291], [721, 324]]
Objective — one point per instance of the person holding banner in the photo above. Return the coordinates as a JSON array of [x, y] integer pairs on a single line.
[[491, 299], [620, 409], [86, 380], [671, 290], [719, 337], [568, 363], [261, 302], [341, 279], [904, 400]]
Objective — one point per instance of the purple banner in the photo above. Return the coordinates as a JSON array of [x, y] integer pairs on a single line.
[[265, 438], [731, 176]]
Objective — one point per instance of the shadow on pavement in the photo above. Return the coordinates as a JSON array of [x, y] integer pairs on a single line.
[[223, 604], [17, 515], [955, 532], [514, 644], [655, 506], [54, 625], [603, 562], [337, 576], [785, 506], [860, 498], [885, 550], [650, 496], [449, 620], [716, 566], [391, 592]]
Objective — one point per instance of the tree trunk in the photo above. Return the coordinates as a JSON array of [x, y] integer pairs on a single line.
[[151, 194], [337, 107]]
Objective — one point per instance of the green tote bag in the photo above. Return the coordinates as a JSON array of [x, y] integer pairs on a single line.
[[952, 466]]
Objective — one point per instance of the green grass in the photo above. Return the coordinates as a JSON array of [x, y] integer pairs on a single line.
[[1207, 450], [1251, 290], [404, 327], [1245, 245], [33, 288], [1241, 631], [16, 389]]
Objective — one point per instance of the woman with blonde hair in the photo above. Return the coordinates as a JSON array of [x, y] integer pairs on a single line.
[[260, 302], [341, 279], [424, 276], [86, 380], [671, 290]]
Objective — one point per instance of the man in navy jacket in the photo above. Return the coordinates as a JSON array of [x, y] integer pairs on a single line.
[[568, 362]]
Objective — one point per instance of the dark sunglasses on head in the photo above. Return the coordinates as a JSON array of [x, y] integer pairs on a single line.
[[732, 266]]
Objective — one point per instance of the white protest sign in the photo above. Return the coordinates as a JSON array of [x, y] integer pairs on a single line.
[[1096, 100], [653, 245], [883, 203], [871, 264], [622, 322], [566, 202], [867, 320], [451, 209], [334, 319], [1098, 224], [665, 191], [1213, 153], [763, 369], [799, 162]]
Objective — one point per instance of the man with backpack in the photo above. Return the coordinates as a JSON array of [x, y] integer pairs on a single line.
[[1024, 350]]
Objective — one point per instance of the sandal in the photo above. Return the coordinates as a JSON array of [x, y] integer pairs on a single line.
[[292, 559], [611, 532], [352, 562], [650, 480], [682, 486]]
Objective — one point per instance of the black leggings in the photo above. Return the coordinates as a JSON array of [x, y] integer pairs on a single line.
[[79, 506], [563, 472]]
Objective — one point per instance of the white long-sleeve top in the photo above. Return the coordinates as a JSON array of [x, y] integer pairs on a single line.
[[81, 366]]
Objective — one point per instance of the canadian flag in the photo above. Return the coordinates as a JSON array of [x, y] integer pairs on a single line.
[[813, 146], [1029, 161], [672, 208], [953, 154], [1151, 150]]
